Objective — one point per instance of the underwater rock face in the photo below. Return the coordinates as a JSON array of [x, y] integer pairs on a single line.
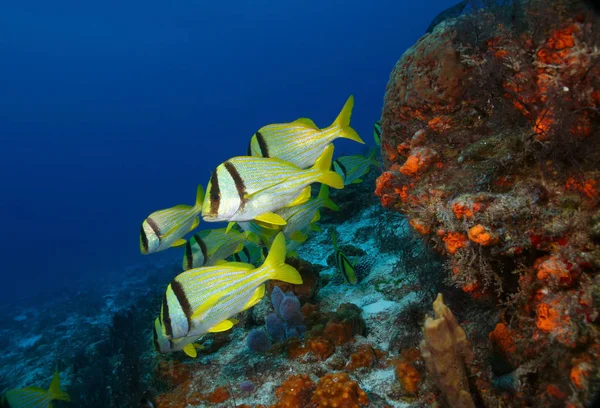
[[491, 146]]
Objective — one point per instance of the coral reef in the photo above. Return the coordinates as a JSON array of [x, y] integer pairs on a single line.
[[491, 145]]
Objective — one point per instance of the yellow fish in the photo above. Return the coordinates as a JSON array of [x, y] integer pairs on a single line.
[[301, 142], [352, 168], [204, 299], [34, 397], [210, 246], [166, 228], [251, 188]]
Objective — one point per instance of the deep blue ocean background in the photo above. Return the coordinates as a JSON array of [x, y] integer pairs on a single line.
[[110, 110]]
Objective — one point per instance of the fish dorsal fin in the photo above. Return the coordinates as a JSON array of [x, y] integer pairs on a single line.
[[182, 207], [316, 217], [306, 122], [190, 350], [269, 219], [199, 196], [221, 327], [302, 198], [179, 242], [195, 224]]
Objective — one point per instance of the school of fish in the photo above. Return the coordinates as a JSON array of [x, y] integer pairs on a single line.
[[265, 197]]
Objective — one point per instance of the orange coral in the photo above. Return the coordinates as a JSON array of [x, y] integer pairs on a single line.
[[420, 226], [579, 374], [338, 333], [547, 317], [542, 126], [383, 183], [587, 187], [440, 124], [365, 356], [320, 347], [482, 235], [464, 210], [408, 376], [295, 392], [420, 159], [504, 338], [552, 268], [219, 395], [454, 241], [338, 390]]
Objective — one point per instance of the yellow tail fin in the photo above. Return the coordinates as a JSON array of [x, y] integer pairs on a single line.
[[55, 392], [343, 122], [275, 262], [324, 195], [323, 164], [199, 196]]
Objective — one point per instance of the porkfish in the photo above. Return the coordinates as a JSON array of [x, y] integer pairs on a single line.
[[204, 300], [210, 246], [166, 228], [377, 133], [342, 263], [301, 142], [34, 397], [299, 219], [251, 188], [352, 168]]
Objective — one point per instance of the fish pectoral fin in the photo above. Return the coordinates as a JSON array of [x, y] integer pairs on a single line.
[[269, 218], [182, 207], [357, 181], [179, 242], [315, 227], [195, 224], [190, 350], [221, 327], [316, 217], [258, 294], [302, 198], [230, 225], [307, 122]]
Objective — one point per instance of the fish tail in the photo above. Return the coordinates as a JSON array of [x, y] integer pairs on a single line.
[[343, 122], [322, 165], [372, 158], [324, 196], [275, 263], [54, 390], [199, 197]]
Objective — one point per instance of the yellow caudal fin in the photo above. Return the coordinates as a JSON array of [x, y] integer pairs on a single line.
[[323, 164], [190, 350], [275, 263], [324, 196], [199, 197], [54, 390], [343, 122], [302, 198]]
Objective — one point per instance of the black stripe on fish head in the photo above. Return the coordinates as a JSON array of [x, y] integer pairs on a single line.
[[342, 167], [249, 151], [143, 240], [239, 183], [215, 193], [247, 253], [265, 251], [189, 257], [203, 248], [377, 128], [154, 227], [262, 144], [183, 301], [236, 257], [166, 318]]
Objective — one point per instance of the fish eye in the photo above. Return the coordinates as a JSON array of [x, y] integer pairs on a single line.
[[214, 196]]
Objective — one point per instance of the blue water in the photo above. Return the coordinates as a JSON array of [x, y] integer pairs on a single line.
[[110, 110]]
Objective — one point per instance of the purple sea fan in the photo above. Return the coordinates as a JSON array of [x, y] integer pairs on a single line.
[[275, 327], [258, 341]]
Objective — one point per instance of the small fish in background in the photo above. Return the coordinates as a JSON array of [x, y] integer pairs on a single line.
[[204, 299], [34, 397], [266, 233], [342, 263], [352, 168], [166, 228], [301, 142], [210, 246], [377, 133], [163, 344], [252, 253], [299, 219], [252, 188]]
